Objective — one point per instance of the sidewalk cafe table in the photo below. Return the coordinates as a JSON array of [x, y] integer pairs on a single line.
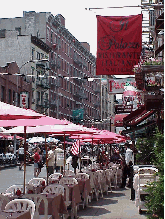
[[85, 189], [74, 197], [56, 205], [15, 215]]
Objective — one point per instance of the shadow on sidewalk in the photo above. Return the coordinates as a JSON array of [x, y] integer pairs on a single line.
[[94, 211]]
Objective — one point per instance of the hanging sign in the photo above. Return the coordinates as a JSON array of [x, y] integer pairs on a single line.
[[24, 100], [119, 44], [117, 85]]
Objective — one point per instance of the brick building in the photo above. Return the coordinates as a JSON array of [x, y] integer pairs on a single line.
[[10, 85], [71, 94]]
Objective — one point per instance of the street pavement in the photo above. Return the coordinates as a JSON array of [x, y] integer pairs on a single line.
[[115, 205]]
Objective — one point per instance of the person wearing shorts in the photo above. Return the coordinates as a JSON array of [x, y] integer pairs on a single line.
[[36, 160]]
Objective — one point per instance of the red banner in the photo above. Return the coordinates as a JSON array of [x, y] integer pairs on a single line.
[[119, 44]]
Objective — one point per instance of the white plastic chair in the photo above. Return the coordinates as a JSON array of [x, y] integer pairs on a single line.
[[82, 176], [95, 191], [21, 205], [114, 178], [108, 174], [119, 176], [143, 180], [100, 182], [54, 189], [69, 173], [37, 181], [54, 177], [12, 189], [68, 181], [3, 201], [37, 199]]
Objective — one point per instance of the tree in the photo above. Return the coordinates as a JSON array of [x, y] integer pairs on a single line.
[[145, 148], [155, 199]]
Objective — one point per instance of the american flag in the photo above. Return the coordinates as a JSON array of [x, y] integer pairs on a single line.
[[75, 147]]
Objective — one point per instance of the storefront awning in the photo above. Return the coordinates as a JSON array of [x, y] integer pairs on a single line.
[[136, 117], [118, 121]]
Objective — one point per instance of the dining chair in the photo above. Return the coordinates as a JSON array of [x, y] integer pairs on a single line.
[[12, 189], [108, 174], [82, 176], [21, 205], [95, 191], [37, 199], [119, 176], [3, 201], [54, 177], [66, 180], [37, 182], [54, 189], [99, 178], [69, 173]]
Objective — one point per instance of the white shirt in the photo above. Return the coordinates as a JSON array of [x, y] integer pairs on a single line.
[[21, 150], [51, 158]]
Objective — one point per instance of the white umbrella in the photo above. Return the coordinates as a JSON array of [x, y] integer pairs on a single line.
[[37, 140], [52, 140]]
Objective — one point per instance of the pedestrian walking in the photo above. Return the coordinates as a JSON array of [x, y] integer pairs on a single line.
[[36, 157], [75, 162], [21, 156], [40, 163], [59, 159], [124, 174], [51, 161]]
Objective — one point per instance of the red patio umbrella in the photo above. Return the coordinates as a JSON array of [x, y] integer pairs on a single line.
[[45, 120], [50, 129], [10, 112]]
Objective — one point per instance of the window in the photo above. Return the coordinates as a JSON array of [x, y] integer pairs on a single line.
[[13, 97], [2, 93], [51, 37], [9, 99], [38, 96], [47, 34], [18, 29], [33, 50], [42, 56], [38, 56]]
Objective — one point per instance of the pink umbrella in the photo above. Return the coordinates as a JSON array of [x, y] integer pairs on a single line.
[[45, 120], [10, 112], [50, 129]]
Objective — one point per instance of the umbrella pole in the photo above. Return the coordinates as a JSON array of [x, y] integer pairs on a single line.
[[46, 161], [24, 182], [64, 155], [79, 153]]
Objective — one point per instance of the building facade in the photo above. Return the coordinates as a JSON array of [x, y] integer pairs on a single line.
[[68, 91], [26, 51]]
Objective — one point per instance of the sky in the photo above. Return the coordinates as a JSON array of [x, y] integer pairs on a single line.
[[80, 22]]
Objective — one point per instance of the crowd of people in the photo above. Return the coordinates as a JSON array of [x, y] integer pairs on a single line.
[[55, 158]]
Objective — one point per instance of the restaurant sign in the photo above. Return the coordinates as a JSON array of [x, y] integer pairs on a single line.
[[123, 109], [116, 86]]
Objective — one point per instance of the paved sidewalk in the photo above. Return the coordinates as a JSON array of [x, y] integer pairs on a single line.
[[115, 205]]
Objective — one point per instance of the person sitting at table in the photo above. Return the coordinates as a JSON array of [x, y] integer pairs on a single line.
[[51, 160]]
